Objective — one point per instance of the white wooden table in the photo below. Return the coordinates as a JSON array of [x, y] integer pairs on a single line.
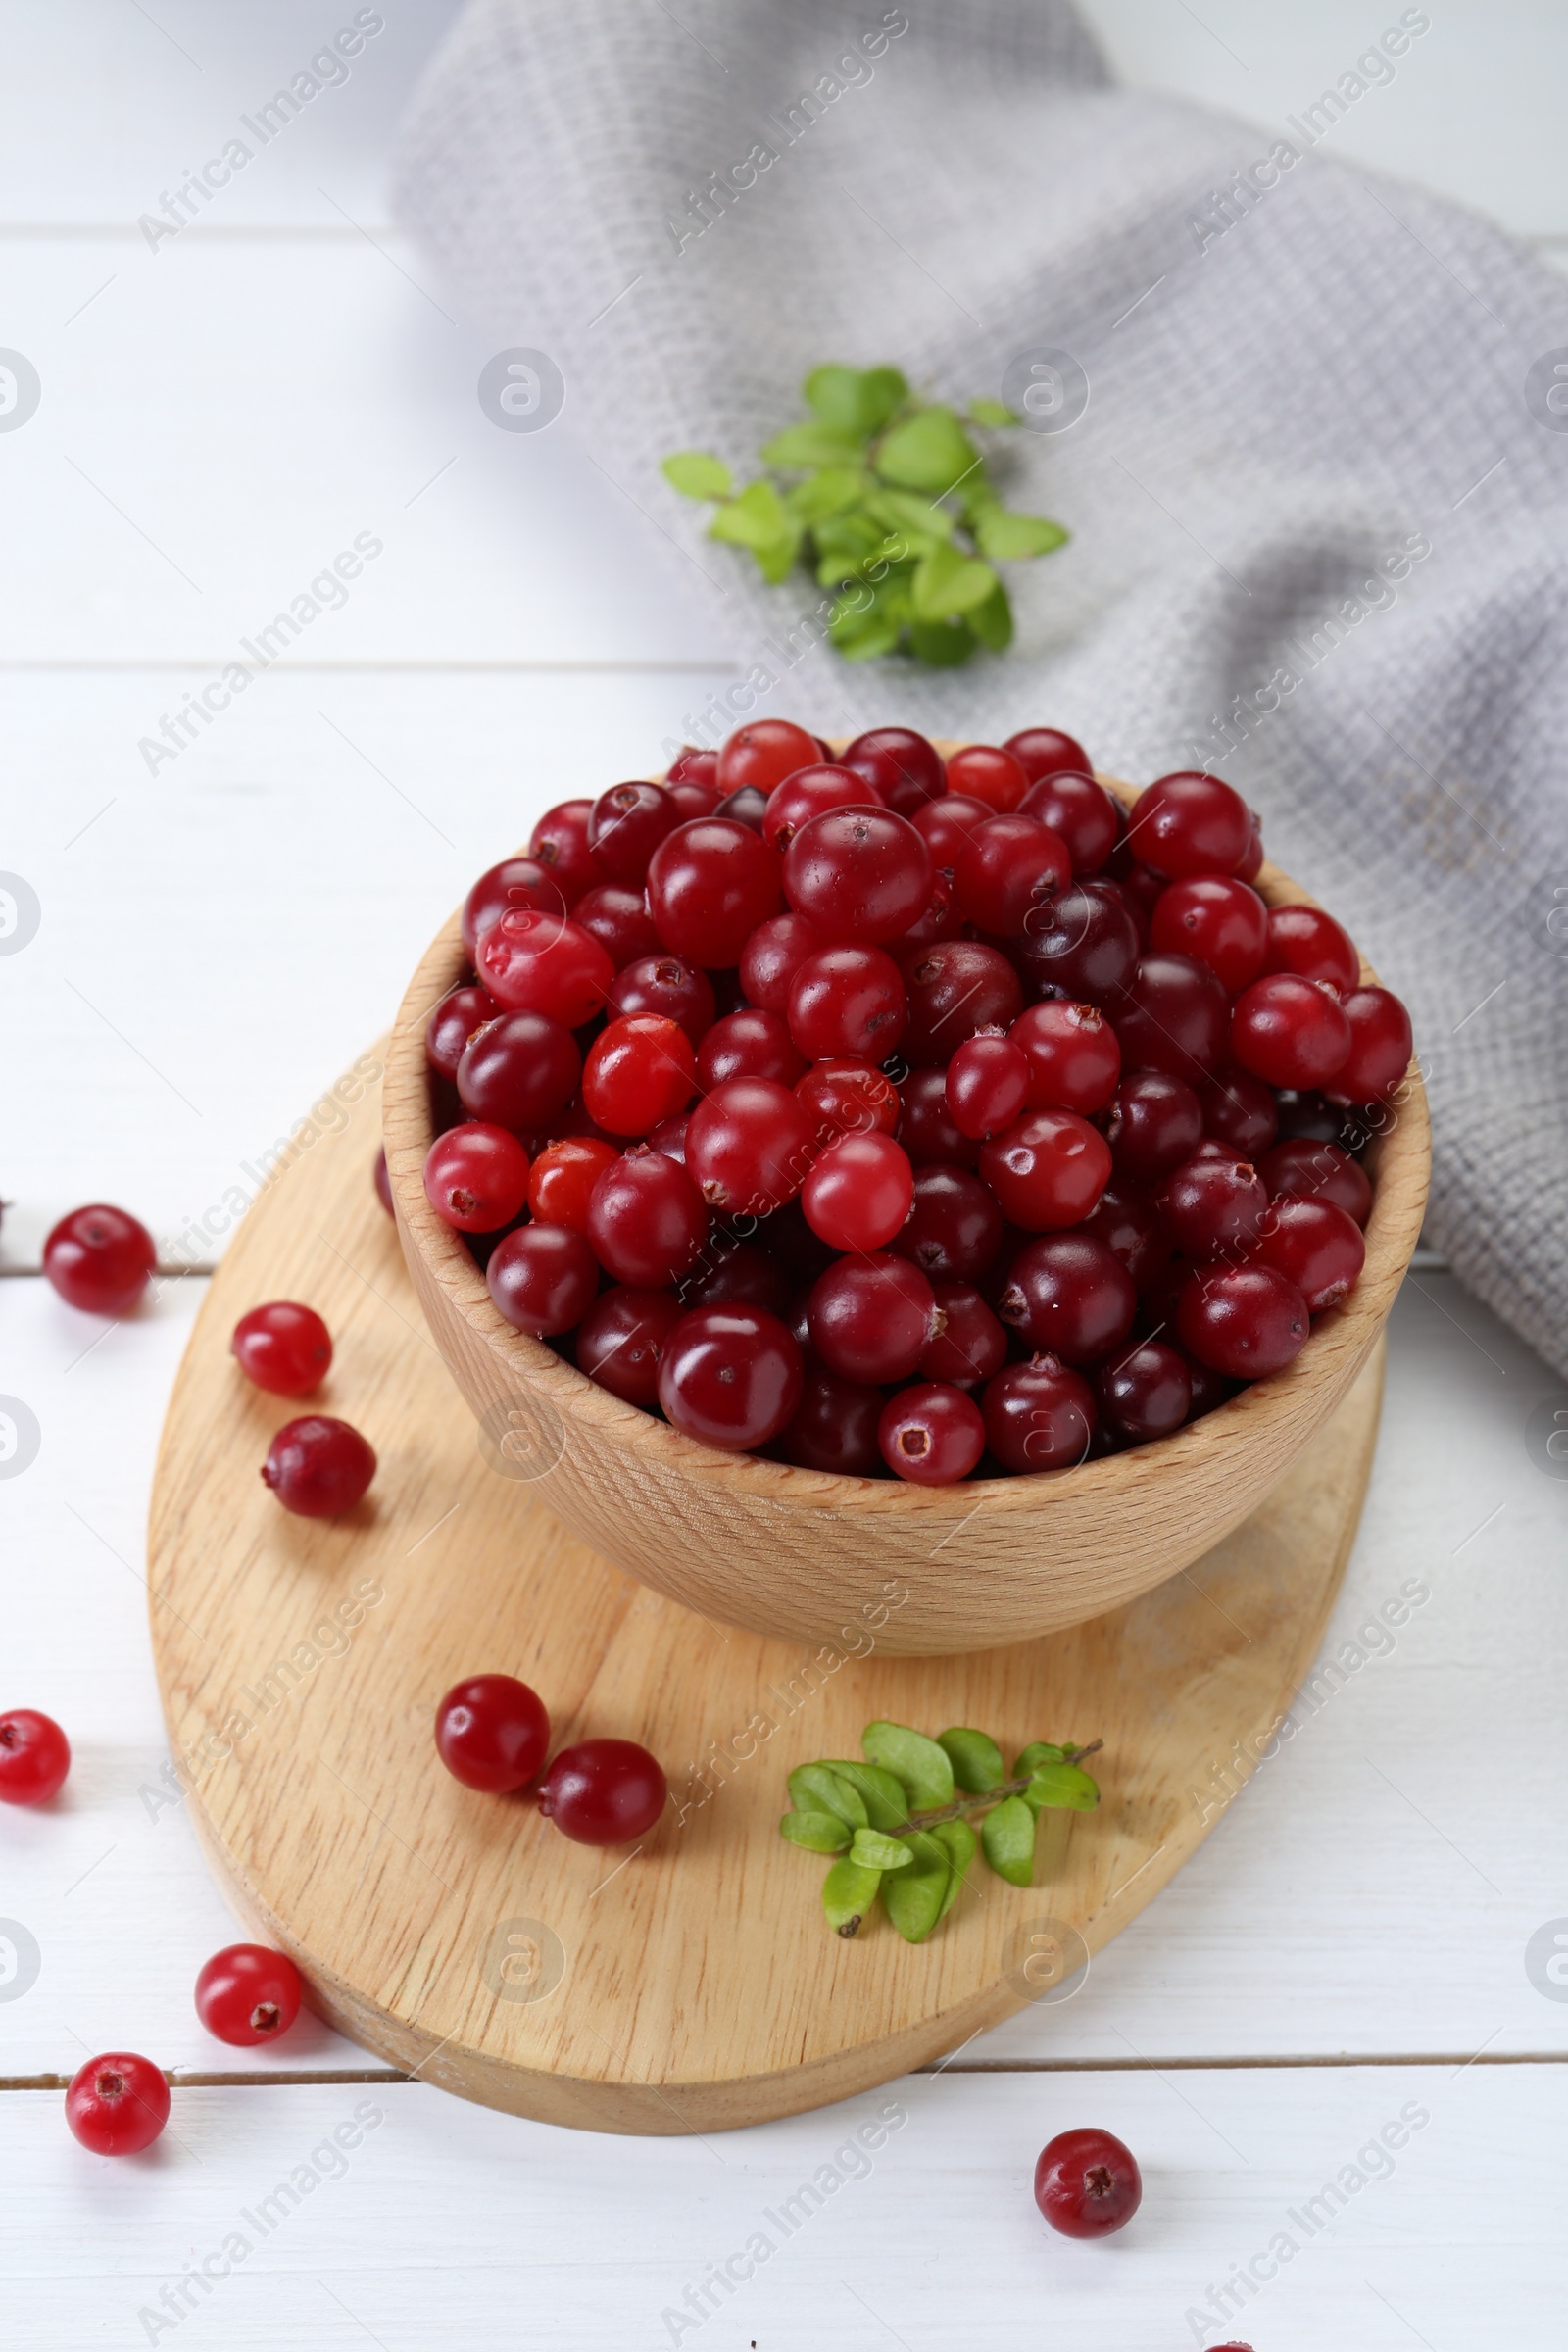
[[1367, 1936]]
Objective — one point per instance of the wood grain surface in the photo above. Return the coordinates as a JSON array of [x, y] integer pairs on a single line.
[[690, 1985]]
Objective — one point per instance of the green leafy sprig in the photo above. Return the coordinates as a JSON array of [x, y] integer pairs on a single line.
[[886, 500], [899, 1823]]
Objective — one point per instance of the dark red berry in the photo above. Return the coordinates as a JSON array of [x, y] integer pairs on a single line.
[[1071, 1295], [476, 1176], [1174, 1016], [709, 885], [954, 990], [620, 919], [1082, 812], [625, 826], [906, 768], [640, 1069], [834, 1427], [1082, 945], [1217, 920], [931, 1433], [986, 772], [493, 1733], [518, 1071], [1039, 1416], [34, 1757], [99, 1259], [1245, 1321], [1309, 943], [1239, 1109], [970, 1345], [741, 1274], [730, 1375], [1007, 869], [318, 1467], [543, 1278], [773, 954], [692, 782], [1380, 1046], [559, 842], [1289, 1031], [1073, 1053], [1125, 1220], [925, 1125], [514, 882], [749, 1146], [1146, 1393], [1190, 823], [750, 1043], [858, 1192], [1315, 1245], [118, 2104], [1048, 1169], [532, 963], [955, 1227], [604, 1792], [667, 985], [247, 1994], [1304, 1170], [871, 1318], [459, 1016], [987, 1083], [847, 1003], [762, 754], [283, 1348], [561, 1179], [861, 874], [1213, 1207], [1087, 2183], [621, 1341], [645, 1219]]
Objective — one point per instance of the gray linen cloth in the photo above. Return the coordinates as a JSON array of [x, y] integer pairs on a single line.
[[1318, 492]]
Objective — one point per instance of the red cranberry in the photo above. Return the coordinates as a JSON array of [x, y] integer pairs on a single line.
[[476, 1177], [750, 1043], [741, 1275], [459, 1016], [749, 1146], [692, 782], [283, 1348], [532, 963], [861, 874], [247, 1994], [762, 754], [942, 918], [1124, 1219], [846, 1001], [773, 954], [709, 885], [846, 1095], [954, 990], [1239, 1109], [986, 772], [1209, 1389], [1146, 1394], [34, 1757], [1219, 921], [858, 1192], [640, 1069], [906, 770], [562, 1177], [604, 1792], [1139, 888], [1380, 1046], [621, 1341], [1007, 869], [1245, 1321], [730, 1375], [118, 2104], [1048, 751], [1039, 1416], [670, 1136], [514, 882], [559, 842], [618, 918], [871, 1318], [1048, 1169], [99, 1259], [543, 1278], [1213, 1207], [925, 1125], [812, 792], [518, 1071], [834, 1427], [946, 824], [1082, 812], [1289, 1031], [1087, 2183], [1082, 944], [987, 1083], [1071, 1295], [1306, 1170], [317, 1467], [971, 1345], [1175, 1017], [1315, 1245], [645, 1219], [492, 1733], [1190, 823], [666, 985], [1073, 1054], [931, 1433], [955, 1227], [625, 826], [1309, 943]]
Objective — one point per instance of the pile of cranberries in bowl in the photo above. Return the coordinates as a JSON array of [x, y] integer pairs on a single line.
[[885, 1113]]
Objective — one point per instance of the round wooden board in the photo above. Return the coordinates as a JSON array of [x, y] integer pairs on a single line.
[[691, 1986]]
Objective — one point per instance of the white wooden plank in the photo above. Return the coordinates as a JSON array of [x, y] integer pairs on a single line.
[[1335, 1910], [442, 2225]]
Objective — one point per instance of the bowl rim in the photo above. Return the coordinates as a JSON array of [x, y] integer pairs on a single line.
[[1398, 1165]]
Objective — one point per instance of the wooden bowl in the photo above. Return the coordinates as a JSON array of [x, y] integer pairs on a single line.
[[813, 1557]]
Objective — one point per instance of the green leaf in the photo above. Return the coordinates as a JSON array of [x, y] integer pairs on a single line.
[[1010, 538], [818, 1789], [818, 1832], [975, 1757], [904, 511], [992, 622], [918, 1763], [930, 451], [948, 584], [826, 494], [1038, 1752], [776, 560], [885, 1800], [756, 518], [943, 644], [813, 445], [848, 1892], [1061, 1784], [879, 1853], [1008, 1835], [960, 1845], [857, 401], [915, 1898], [880, 638], [696, 475], [992, 411]]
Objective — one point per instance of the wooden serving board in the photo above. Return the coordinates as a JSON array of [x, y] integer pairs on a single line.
[[689, 1986]]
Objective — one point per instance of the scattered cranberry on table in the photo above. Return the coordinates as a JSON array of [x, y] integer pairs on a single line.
[[1087, 2183], [283, 1348], [493, 1733], [247, 1994], [34, 1757], [908, 1117], [99, 1259], [318, 1467], [604, 1792], [118, 2104]]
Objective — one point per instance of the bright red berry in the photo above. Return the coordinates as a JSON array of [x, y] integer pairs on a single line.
[[1081, 811], [847, 1003], [283, 1348], [1218, 921], [34, 1757], [750, 1043], [620, 919], [1309, 943], [318, 1467], [1087, 2183], [1082, 944], [559, 842], [730, 1375], [871, 1318], [1048, 1169], [954, 990], [1048, 751], [812, 792], [1213, 1207], [1245, 1321], [709, 885], [858, 1192], [773, 954], [1317, 1246], [847, 1096], [1007, 869], [248, 1993], [514, 882], [561, 1179], [493, 1733], [987, 1083], [476, 1176], [906, 768], [1380, 1046], [533, 962], [604, 1792], [1289, 1031], [861, 874], [640, 1069], [986, 772], [543, 1278], [645, 1218], [461, 1014], [762, 754], [518, 1071], [1073, 1053], [931, 1433], [118, 2104], [99, 1259], [749, 1146], [1190, 823]]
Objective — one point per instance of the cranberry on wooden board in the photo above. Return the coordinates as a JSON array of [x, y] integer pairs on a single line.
[[666, 985], [907, 769], [518, 1071], [559, 842], [543, 1278], [99, 1259], [1087, 2183], [247, 1994], [458, 1017], [730, 1375], [847, 1001], [318, 1466], [283, 1348], [118, 2104], [621, 1341], [834, 1427], [931, 1433], [871, 1318], [492, 1733], [34, 1757], [514, 882], [710, 884], [604, 1792], [1038, 1415], [1310, 1170]]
